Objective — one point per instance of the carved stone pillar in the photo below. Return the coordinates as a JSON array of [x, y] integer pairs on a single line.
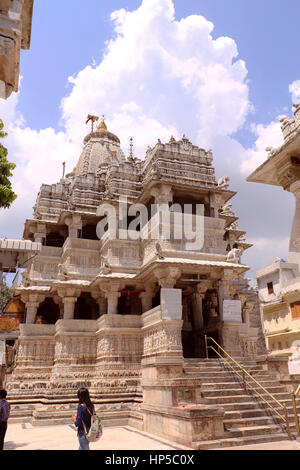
[[31, 310], [167, 277], [69, 305], [75, 224], [112, 295], [162, 194], [146, 298], [198, 311], [112, 302], [102, 302], [295, 233], [224, 290], [32, 302]]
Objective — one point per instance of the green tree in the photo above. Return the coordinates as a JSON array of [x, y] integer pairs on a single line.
[[7, 196], [6, 293]]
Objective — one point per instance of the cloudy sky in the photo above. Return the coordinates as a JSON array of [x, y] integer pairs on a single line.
[[220, 71]]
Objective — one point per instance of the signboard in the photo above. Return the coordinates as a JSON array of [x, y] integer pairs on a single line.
[[232, 311], [171, 306]]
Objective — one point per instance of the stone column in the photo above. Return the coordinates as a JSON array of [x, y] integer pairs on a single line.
[[112, 295], [167, 277], [295, 233], [162, 194], [69, 304], [40, 233], [102, 302], [31, 310], [200, 291], [112, 302], [146, 298], [224, 291], [75, 224]]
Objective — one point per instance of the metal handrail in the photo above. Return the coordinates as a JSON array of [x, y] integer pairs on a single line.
[[294, 396], [245, 384]]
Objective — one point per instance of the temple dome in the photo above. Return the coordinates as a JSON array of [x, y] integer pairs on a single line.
[[102, 133], [100, 147]]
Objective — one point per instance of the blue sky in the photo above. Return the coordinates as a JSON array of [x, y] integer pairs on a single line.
[[64, 41], [162, 73]]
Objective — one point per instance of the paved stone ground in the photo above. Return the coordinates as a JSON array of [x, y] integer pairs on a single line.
[[24, 436]]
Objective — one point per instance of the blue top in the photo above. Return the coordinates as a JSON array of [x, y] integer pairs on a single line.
[[4, 410], [82, 415]]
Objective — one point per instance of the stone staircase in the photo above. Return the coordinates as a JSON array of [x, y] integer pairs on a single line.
[[248, 419]]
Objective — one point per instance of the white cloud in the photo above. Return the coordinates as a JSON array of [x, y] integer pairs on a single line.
[[158, 77], [265, 249], [174, 71], [269, 135], [294, 88]]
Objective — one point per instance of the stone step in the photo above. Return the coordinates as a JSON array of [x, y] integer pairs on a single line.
[[268, 385], [247, 422], [245, 431], [220, 400], [253, 413], [240, 441], [223, 392]]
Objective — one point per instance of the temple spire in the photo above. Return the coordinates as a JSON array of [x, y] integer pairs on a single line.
[[102, 126]]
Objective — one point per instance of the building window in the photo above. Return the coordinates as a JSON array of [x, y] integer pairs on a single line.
[[270, 288], [295, 309]]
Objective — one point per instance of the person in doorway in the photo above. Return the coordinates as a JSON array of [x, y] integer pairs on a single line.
[[4, 414], [83, 418]]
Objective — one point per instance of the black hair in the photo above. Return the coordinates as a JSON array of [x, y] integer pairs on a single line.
[[84, 397], [3, 393]]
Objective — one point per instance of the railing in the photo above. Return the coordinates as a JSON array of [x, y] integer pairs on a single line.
[[243, 374], [294, 396]]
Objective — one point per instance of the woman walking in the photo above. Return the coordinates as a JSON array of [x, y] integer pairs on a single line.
[[4, 415], [83, 418]]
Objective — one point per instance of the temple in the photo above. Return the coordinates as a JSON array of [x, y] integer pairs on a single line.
[[279, 283], [140, 262]]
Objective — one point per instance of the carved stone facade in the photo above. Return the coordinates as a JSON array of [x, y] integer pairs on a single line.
[[15, 34], [93, 296], [279, 283]]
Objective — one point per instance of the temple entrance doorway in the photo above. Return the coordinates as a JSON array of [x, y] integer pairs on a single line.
[[200, 318]]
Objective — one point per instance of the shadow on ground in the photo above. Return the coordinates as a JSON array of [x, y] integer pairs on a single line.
[[11, 445]]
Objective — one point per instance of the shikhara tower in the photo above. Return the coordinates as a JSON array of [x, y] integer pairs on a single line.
[[94, 310]]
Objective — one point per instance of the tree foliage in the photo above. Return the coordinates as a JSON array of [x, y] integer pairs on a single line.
[[6, 293], [7, 196]]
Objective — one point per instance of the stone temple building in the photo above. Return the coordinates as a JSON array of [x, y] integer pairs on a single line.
[[15, 34], [279, 283], [121, 302]]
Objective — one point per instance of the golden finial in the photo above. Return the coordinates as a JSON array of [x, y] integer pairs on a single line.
[[102, 126], [172, 140]]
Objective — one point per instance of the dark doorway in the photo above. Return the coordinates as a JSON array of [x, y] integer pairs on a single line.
[[48, 312], [129, 302], [86, 308], [54, 239]]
